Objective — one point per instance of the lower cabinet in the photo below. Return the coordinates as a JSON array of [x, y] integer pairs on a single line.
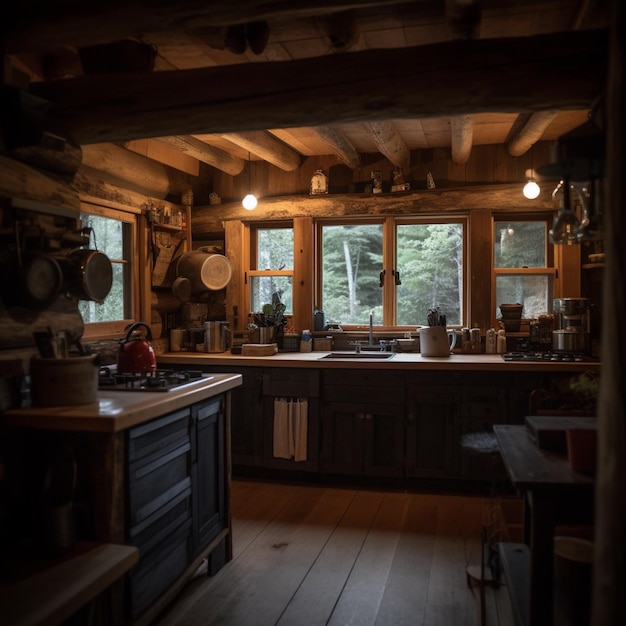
[[362, 439], [208, 485], [362, 423], [176, 486], [291, 387], [431, 416]]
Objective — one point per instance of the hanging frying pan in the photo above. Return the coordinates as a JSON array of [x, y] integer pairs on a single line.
[[35, 283], [88, 274]]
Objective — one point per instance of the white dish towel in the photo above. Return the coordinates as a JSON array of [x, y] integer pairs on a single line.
[[290, 428]]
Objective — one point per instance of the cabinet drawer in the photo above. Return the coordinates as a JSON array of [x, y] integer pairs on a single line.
[[158, 570], [290, 383], [367, 393], [159, 435], [153, 484], [150, 533]]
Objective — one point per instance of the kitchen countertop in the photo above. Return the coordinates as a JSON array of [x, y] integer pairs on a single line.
[[400, 361], [119, 410]]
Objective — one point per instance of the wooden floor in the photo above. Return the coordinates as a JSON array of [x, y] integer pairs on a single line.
[[307, 555]]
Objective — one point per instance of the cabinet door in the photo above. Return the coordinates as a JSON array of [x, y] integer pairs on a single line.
[[482, 406], [342, 438], [208, 471], [431, 412], [246, 419], [383, 440]]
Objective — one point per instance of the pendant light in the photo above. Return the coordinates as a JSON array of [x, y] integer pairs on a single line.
[[249, 202], [531, 189]]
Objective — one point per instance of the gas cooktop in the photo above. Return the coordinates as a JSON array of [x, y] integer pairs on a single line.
[[160, 380], [547, 357]]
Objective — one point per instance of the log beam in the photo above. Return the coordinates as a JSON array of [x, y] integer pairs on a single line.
[[531, 132], [209, 220], [215, 157], [266, 147], [491, 75], [461, 138], [129, 167], [339, 145], [390, 144]]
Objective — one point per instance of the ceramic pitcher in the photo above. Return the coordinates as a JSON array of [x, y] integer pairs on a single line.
[[436, 341]]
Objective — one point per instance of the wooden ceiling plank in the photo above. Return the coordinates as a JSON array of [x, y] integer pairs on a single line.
[[263, 145], [461, 137], [481, 76], [531, 132]]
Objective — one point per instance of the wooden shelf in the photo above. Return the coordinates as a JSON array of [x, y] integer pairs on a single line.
[[53, 594], [515, 560], [592, 266], [169, 227]]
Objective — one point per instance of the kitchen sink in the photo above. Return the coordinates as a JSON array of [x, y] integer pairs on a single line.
[[348, 354]]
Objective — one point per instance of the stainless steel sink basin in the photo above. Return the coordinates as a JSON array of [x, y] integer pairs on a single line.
[[348, 354]]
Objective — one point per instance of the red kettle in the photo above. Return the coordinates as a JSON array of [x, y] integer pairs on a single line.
[[136, 355]]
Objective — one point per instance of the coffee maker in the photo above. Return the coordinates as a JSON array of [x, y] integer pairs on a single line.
[[571, 332]]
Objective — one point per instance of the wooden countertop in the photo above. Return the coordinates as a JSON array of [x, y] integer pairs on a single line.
[[119, 410], [400, 361]]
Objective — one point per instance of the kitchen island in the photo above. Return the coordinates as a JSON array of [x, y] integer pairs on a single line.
[[152, 470], [408, 421]]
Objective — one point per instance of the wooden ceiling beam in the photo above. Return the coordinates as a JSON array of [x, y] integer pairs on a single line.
[[266, 147], [390, 144], [527, 74], [341, 147], [461, 138], [531, 132], [65, 22], [213, 156]]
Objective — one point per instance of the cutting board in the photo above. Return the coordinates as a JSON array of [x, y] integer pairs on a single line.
[[259, 349], [548, 431]]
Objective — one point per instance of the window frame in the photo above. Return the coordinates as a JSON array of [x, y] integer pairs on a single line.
[[115, 328], [548, 270], [252, 261], [389, 225]]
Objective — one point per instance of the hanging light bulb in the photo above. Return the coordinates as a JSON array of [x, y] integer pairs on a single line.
[[531, 189], [249, 202], [567, 227]]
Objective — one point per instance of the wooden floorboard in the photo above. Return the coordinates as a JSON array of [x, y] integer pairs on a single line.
[[317, 555]]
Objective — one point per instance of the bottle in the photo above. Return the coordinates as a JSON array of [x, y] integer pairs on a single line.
[[501, 342], [490, 341], [306, 341]]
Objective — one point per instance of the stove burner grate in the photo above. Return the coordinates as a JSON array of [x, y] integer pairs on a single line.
[[545, 357], [160, 380]]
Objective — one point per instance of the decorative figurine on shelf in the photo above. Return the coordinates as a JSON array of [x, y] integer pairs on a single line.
[[319, 183], [377, 181], [398, 181], [430, 181]]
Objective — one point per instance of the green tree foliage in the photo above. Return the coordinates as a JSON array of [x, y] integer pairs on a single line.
[[430, 260], [352, 259]]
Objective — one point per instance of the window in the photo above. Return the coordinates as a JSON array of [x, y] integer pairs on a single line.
[[271, 273], [112, 234], [352, 260], [394, 269], [522, 265]]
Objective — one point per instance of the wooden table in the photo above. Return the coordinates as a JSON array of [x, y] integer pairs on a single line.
[[553, 494]]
